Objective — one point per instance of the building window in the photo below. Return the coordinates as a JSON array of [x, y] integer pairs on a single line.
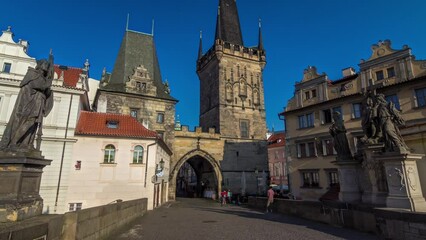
[[306, 121], [310, 178], [379, 75], [333, 178], [394, 99], [356, 109], [306, 150], [74, 206], [391, 72], [327, 147], [301, 150], [307, 95], [276, 154], [109, 155], [314, 93], [244, 128], [7, 67], [421, 97], [160, 117], [134, 113], [112, 124], [138, 155], [326, 113]]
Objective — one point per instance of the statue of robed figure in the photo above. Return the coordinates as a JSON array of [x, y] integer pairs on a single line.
[[34, 101], [340, 141]]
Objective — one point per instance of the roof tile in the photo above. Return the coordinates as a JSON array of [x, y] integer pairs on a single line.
[[94, 123], [71, 74]]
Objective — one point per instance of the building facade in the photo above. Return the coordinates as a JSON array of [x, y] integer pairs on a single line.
[[116, 159], [277, 160], [135, 86], [308, 115], [70, 95]]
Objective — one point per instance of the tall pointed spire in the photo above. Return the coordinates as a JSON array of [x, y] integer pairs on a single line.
[[260, 45], [200, 48], [228, 23], [218, 25]]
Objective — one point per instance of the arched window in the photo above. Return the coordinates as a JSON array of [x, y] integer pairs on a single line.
[[109, 156], [138, 155]]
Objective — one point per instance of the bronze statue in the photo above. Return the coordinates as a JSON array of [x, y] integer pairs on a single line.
[[34, 101], [340, 141]]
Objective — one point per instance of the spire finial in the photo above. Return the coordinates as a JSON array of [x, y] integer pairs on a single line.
[[153, 24], [200, 48], [218, 25], [260, 45], [9, 29], [127, 23]]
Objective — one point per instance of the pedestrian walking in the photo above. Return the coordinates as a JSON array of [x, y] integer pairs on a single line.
[[271, 194], [223, 196], [229, 196]]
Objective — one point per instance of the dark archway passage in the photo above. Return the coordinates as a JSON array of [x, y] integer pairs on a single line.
[[195, 178], [207, 171]]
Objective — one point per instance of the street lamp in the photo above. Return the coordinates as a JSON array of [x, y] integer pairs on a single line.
[[256, 171]]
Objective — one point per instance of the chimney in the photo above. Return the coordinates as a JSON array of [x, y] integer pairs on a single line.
[[348, 72]]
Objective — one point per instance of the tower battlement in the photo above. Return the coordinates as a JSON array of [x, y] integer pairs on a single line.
[[222, 47], [198, 132]]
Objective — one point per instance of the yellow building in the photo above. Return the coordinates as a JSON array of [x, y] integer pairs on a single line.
[[308, 115]]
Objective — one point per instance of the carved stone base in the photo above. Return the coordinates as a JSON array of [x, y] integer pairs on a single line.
[[349, 182], [20, 179], [404, 186]]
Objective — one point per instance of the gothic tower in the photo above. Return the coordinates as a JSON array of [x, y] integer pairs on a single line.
[[231, 82]]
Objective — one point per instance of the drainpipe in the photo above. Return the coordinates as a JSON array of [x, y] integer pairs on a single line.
[[63, 154], [146, 167]]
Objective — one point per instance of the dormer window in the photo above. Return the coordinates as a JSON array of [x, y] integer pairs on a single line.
[[7, 67], [112, 124], [379, 75]]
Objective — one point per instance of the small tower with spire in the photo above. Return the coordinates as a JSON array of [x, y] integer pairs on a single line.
[[231, 79]]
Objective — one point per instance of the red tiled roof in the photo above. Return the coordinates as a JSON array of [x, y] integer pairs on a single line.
[[93, 123], [276, 140], [71, 74]]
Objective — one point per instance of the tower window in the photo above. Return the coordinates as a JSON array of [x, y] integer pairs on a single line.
[[244, 128], [134, 113], [160, 117]]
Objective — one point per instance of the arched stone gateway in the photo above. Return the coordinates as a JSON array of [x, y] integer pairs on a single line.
[[206, 168]]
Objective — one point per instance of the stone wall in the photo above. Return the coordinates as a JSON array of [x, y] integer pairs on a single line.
[[384, 222], [92, 223]]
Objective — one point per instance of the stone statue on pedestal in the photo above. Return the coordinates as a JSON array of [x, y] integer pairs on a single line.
[[381, 122], [340, 141], [34, 101]]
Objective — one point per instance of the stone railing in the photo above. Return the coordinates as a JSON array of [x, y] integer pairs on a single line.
[[386, 223], [91, 223]]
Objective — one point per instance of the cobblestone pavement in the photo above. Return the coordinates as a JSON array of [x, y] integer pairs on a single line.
[[202, 219]]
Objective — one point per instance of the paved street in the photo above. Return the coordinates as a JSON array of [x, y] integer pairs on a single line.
[[204, 219]]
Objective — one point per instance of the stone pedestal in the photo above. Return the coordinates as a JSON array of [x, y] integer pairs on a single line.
[[375, 191], [20, 179], [349, 182], [403, 181]]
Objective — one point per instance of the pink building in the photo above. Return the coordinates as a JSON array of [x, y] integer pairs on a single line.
[[277, 159]]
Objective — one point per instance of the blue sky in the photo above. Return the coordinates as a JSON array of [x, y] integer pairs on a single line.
[[328, 34]]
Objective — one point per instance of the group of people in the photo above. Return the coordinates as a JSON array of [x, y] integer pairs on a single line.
[[225, 197]]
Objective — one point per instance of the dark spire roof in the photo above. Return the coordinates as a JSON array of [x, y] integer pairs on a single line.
[[136, 49], [260, 45], [228, 23], [200, 48]]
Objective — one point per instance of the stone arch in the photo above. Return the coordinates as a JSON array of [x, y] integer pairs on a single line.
[[195, 153]]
